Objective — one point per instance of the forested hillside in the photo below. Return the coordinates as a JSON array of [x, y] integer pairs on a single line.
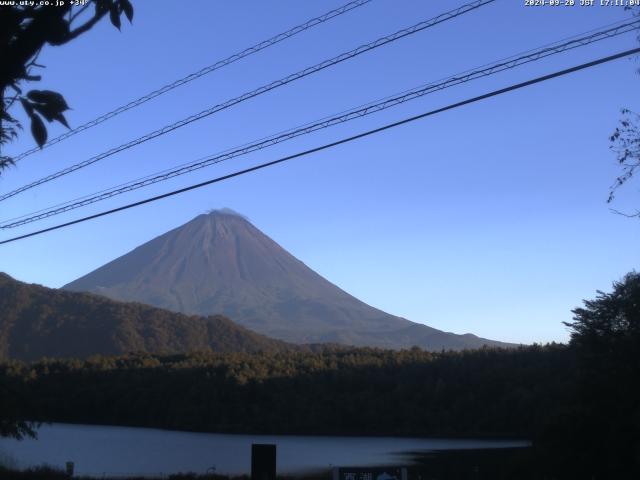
[[359, 391], [578, 403], [38, 322]]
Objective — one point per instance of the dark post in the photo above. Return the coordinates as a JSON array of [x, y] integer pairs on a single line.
[[69, 468], [263, 462]]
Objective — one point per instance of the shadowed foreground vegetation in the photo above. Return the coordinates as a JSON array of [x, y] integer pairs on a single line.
[[352, 392], [525, 393], [578, 403], [47, 473], [454, 465]]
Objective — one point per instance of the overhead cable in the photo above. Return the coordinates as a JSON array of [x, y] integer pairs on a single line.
[[200, 73], [259, 91], [358, 112], [330, 145]]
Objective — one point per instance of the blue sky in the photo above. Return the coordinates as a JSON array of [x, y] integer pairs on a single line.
[[490, 219]]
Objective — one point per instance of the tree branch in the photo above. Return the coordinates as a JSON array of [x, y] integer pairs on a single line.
[[85, 27], [79, 12]]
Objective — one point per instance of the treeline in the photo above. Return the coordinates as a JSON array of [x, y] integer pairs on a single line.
[[537, 393], [361, 391], [578, 403], [523, 393]]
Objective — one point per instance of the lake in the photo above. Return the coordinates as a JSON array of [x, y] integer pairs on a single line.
[[100, 450]]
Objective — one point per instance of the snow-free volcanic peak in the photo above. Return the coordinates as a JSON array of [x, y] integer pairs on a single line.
[[220, 263]]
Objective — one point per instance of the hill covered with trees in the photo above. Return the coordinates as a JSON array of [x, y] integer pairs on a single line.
[[578, 403], [38, 322]]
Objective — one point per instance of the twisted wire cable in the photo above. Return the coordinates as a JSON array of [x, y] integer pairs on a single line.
[[326, 146], [200, 73], [358, 112], [259, 91]]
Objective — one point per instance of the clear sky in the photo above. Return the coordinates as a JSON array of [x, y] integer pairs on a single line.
[[490, 219]]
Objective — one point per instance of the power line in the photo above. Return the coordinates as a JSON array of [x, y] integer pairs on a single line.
[[200, 73], [333, 144], [358, 112], [266, 88]]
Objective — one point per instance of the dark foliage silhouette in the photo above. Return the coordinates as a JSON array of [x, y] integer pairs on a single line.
[[578, 403], [625, 142], [331, 391], [24, 31], [605, 336]]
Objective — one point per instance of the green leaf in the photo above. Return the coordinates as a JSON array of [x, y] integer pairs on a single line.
[[27, 106], [127, 8], [60, 117], [114, 14], [54, 99], [46, 110], [38, 130], [45, 114]]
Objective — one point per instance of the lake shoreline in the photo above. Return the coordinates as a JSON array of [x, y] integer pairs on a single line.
[[100, 451], [479, 437]]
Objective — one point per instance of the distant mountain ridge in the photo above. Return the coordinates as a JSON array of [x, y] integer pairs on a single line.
[[220, 263], [38, 322]]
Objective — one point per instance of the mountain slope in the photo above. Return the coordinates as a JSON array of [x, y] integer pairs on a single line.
[[40, 322], [221, 263]]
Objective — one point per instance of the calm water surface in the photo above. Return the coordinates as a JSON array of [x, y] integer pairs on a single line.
[[99, 450]]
